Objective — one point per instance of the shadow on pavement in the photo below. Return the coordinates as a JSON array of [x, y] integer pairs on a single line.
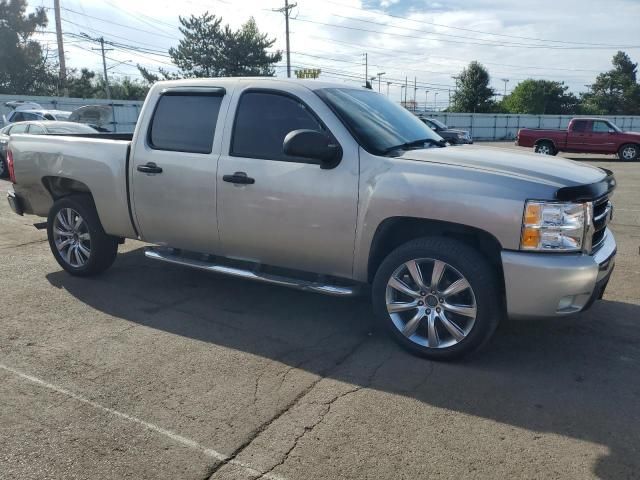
[[573, 377]]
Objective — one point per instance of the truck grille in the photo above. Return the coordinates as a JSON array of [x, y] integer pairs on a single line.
[[601, 216]]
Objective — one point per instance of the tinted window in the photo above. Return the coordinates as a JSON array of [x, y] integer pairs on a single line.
[[601, 127], [185, 123], [21, 128], [377, 123], [262, 122], [36, 130], [48, 116], [579, 125]]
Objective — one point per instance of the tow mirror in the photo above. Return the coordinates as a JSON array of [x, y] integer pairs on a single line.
[[313, 145]]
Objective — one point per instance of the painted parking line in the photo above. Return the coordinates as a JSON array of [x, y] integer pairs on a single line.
[[187, 442]]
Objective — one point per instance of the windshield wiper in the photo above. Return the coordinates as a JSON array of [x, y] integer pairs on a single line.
[[415, 143]]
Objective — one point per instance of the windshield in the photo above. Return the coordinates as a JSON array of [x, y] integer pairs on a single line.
[[377, 123], [437, 122]]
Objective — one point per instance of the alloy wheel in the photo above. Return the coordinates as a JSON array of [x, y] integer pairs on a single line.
[[629, 153], [72, 238], [431, 303]]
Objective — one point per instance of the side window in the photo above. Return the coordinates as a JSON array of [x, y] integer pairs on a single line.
[[184, 122], [20, 128], [18, 117], [36, 130], [48, 116], [30, 116], [579, 126], [600, 127], [263, 120]]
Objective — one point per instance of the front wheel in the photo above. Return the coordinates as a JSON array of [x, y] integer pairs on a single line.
[[438, 297], [76, 237], [629, 153]]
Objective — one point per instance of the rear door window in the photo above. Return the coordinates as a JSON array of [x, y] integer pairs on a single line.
[[20, 128], [580, 126], [185, 122], [36, 130]]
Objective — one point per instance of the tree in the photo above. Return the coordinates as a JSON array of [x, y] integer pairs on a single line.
[[540, 97], [24, 67], [616, 91], [473, 93], [82, 86], [209, 50]]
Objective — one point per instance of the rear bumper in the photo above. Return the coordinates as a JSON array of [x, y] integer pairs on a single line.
[[15, 203], [553, 285]]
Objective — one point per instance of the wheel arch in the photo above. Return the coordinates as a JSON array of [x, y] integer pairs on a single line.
[[59, 187], [548, 140], [396, 231]]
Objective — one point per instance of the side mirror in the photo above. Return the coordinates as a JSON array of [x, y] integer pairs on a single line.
[[313, 145]]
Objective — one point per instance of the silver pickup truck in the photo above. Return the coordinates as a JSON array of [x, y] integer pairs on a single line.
[[329, 189]]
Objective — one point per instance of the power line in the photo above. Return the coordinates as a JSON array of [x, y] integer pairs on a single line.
[[422, 22]]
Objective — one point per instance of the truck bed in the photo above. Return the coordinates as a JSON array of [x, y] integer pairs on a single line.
[[97, 163]]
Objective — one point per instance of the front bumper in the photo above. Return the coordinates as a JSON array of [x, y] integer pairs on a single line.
[[552, 285], [15, 203]]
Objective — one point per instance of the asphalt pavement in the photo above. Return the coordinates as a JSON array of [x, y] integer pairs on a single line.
[[156, 371]]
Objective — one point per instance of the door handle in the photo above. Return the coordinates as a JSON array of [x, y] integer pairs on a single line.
[[240, 178], [150, 167]]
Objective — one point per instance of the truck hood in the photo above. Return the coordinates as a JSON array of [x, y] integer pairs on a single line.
[[554, 171]]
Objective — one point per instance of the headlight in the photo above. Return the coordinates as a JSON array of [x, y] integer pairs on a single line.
[[550, 226]]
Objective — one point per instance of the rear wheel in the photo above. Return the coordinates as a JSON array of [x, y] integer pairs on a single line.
[[629, 152], [76, 237], [438, 297], [545, 148]]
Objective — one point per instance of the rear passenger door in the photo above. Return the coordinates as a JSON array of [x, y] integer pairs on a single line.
[[173, 169]]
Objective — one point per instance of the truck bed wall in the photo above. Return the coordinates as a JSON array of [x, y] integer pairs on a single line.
[[99, 164]]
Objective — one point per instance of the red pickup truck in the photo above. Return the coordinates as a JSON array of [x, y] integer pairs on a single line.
[[584, 135]]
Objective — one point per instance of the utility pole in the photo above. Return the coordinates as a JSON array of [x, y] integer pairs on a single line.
[[63, 67], [426, 99], [505, 80], [366, 69], [435, 101], [388, 83], [287, 12], [415, 91], [379, 74], [406, 89], [104, 67]]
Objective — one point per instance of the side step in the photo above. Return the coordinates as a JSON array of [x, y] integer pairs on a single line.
[[170, 255]]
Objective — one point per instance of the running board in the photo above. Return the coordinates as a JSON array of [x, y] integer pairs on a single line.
[[172, 256]]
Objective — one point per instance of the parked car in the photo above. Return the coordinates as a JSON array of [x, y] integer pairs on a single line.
[[25, 111], [37, 128], [451, 135], [329, 189], [583, 135]]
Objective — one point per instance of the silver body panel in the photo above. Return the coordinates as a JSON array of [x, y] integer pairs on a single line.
[[299, 216]]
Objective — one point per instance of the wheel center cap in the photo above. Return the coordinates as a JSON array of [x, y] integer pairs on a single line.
[[431, 300]]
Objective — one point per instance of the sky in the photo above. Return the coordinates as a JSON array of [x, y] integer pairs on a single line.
[[426, 41]]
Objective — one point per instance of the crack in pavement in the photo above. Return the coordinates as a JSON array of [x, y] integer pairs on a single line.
[[231, 458], [9, 247]]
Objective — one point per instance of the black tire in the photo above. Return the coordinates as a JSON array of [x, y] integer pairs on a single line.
[[103, 248], [4, 170], [629, 152], [545, 147], [482, 278]]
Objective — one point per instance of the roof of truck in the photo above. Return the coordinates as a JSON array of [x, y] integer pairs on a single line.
[[312, 84]]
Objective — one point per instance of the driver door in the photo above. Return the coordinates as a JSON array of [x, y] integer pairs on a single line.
[[293, 213]]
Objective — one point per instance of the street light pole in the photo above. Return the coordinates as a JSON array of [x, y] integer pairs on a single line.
[[505, 80], [435, 101], [426, 99], [388, 83]]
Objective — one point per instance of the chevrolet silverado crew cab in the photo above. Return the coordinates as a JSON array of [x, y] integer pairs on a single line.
[[328, 189], [583, 135]]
